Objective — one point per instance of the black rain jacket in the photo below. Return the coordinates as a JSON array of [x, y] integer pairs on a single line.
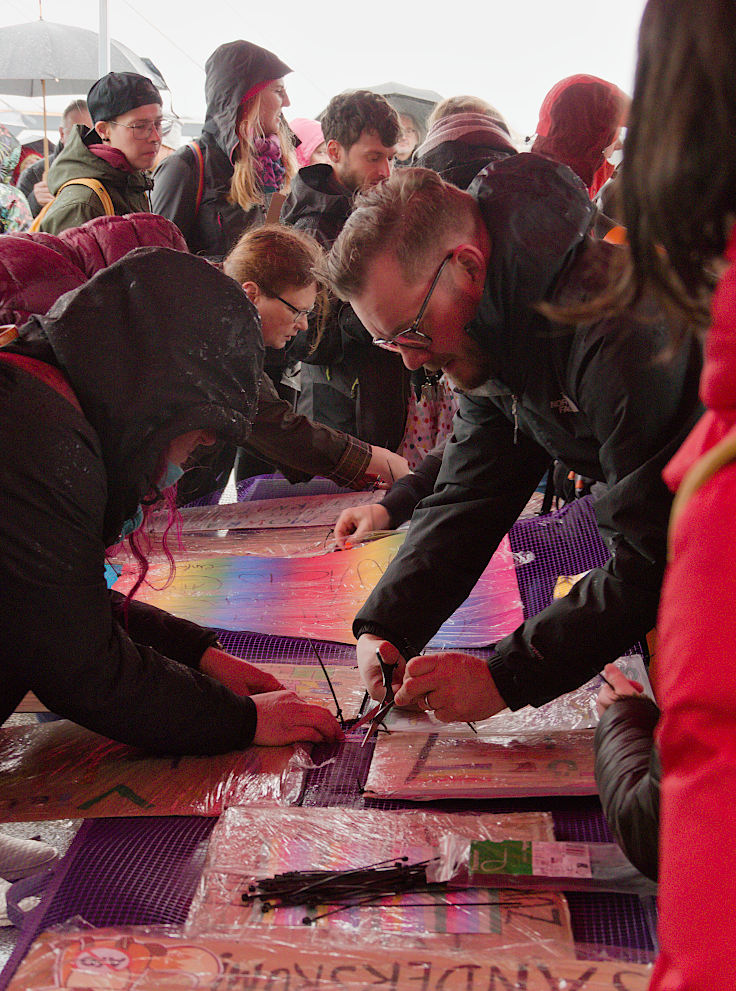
[[346, 383], [601, 399], [213, 229], [158, 344]]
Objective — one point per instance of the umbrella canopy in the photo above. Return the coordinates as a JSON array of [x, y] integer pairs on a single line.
[[64, 57], [417, 103]]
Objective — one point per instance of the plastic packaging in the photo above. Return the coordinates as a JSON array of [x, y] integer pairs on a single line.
[[517, 863], [319, 596], [248, 844], [427, 768], [61, 771], [297, 960]]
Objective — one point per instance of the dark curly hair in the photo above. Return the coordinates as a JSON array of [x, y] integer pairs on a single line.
[[351, 113]]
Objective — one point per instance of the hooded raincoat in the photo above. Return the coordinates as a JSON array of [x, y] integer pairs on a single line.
[[598, 398], [696, 644], [212, 226], [91, 395]]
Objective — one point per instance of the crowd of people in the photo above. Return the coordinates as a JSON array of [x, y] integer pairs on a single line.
[[421, 305]]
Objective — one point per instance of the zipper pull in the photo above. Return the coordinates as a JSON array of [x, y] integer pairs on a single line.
[[514, 408]]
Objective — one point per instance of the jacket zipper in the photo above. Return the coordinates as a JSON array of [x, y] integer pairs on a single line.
[[514, 408]]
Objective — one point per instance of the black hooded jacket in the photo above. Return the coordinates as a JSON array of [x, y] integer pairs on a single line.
[[346, 383], [600, 398], [232, 71], [158, 344]]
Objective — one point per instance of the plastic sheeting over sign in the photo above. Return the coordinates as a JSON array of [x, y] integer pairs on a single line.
[[427, 768], [319, 597], [152, 959], [62, 771]]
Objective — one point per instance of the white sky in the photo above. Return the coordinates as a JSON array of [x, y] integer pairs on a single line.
[[509, 52]]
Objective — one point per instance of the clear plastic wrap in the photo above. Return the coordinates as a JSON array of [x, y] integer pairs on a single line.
[[61, 771], [142, 959], [251, 844], [309, 682], [291, 511], [575, 710], [426, 768], [319, 596], [522, 863]]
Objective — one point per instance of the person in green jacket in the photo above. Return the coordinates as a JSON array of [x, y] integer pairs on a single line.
[[118, 152]]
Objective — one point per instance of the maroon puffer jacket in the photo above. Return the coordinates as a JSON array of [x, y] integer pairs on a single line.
[[35, 269]]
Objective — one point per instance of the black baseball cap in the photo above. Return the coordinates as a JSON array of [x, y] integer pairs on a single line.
[[118, 92]]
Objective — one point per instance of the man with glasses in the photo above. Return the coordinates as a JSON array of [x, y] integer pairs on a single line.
[[112, 159], [459, 281]]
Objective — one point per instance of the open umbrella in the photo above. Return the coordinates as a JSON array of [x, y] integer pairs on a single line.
[[40, 58], [417, 103]]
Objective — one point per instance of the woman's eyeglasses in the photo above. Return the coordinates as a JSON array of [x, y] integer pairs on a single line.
[[143, 129], [298, 314]]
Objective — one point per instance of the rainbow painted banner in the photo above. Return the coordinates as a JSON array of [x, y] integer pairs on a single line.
[[319, 596]]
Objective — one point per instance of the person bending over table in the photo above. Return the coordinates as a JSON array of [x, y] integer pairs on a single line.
[[453, 280], [103, 401]]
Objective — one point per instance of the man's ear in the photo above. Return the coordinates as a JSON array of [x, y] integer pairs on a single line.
[[253, 292], [469, 267], [103, 129], [334, 151]]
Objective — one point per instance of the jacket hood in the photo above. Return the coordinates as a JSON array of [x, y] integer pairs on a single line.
[[458, 147], [232, 71], [76, 161], [538, 214], [718, 382], [578, 118], [37, 268], [156, 345], [316, 192]]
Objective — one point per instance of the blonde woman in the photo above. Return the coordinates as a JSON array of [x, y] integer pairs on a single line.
[[218, 186]]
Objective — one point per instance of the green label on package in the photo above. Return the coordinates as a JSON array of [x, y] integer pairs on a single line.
[[506, 857]]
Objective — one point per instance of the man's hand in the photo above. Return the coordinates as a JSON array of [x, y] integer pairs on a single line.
[[41, 192], [620, 687], [370, 668], [354, 524], [237, 675], [456, 687], [284, 718]]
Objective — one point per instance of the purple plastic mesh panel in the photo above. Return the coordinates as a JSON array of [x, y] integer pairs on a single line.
[[563, 543], [265, 647], [278, 487], [610, 919], [134, 871]]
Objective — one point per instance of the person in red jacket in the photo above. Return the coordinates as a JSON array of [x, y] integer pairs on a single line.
[[679, 196]]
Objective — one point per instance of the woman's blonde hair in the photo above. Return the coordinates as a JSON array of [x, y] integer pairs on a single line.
[[245, 188]]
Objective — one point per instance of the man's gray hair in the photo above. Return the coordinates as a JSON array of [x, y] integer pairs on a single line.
[[408, 215]]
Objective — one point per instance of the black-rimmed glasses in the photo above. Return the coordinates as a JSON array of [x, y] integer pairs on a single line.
[[412, 338], [143, 129], [298, 314]]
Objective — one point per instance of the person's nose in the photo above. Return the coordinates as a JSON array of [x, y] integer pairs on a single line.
[[412, 358], [384, 169], [285, 101], [302, 322]]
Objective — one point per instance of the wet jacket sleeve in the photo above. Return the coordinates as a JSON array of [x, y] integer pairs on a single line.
[[174, 193], [294, 442], [177, 638], [402, 498], [61, 638], [627, 772], [73, 207], [483, 484]]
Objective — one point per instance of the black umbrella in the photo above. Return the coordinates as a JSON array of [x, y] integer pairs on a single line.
[[417, 103], [41, 57]]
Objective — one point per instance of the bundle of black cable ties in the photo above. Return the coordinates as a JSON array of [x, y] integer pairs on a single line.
[[360, 886]]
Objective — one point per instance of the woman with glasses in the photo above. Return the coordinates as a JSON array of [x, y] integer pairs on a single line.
[[275, 266], [105, 169]]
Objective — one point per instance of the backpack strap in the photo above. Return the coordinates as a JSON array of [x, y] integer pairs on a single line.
[[197, 152], [702, 471], [94, 184]]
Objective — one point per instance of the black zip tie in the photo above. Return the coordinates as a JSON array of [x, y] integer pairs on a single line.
[[338, 710]]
